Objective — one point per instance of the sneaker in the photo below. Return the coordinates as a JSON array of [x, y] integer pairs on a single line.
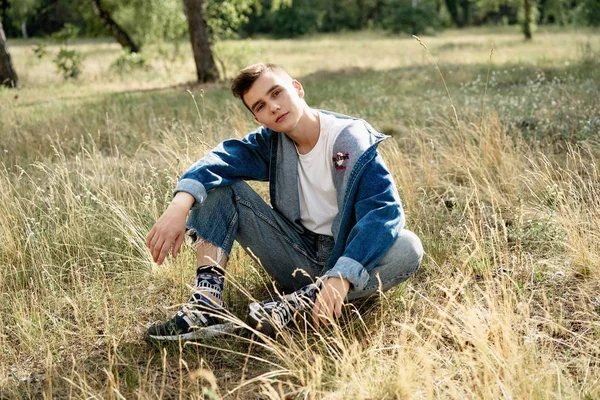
[[202, 316], [271, 316], [192, 322]]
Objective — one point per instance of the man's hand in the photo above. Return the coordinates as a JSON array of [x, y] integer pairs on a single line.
[[169, 230], [330, 300]]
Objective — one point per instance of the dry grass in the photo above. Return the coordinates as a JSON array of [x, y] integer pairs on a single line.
[[506, 198]]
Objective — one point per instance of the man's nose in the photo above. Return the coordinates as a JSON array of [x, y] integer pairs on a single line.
[[275, 107]]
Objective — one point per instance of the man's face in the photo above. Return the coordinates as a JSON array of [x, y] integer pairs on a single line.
[[276, 100]]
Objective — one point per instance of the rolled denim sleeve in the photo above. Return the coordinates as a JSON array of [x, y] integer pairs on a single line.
[[192, 187], [351, 270], [230, 161]]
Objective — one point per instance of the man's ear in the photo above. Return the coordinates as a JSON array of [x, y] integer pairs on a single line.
[[299, 89]]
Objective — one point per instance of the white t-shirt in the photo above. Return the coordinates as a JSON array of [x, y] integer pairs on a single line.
[[318, 200]]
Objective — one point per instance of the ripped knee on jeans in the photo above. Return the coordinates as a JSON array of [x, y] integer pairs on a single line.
[[197, 242]]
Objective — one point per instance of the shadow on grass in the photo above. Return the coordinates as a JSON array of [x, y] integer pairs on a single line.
[[408, 94], [165, 370]]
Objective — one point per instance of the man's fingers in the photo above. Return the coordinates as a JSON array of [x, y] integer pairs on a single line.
[[315, 312], [322, 312], [337, 304], [164, 251], [338, 309], [156, 240], [155, 249], [149, 237], [177, 245]]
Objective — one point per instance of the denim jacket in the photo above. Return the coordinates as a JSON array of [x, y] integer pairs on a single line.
[[370, 215]]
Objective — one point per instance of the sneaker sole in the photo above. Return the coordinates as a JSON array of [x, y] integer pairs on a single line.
[[199, 333], [261, 325]]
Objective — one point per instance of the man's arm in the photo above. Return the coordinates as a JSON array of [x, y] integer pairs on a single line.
[[231, 160], [379, 220], [169, 230]]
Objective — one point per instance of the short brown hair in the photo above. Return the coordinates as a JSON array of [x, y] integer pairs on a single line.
[[246, 78]]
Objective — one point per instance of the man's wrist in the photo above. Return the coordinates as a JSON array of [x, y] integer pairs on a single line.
[[183, 200], [343, 281]]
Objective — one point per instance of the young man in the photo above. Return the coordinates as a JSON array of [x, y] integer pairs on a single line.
[[335, 228]]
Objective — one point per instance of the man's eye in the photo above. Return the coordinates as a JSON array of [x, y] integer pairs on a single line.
[[259, 107], [276, 92]]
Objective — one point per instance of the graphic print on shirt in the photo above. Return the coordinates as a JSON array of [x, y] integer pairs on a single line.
[[338, 160]]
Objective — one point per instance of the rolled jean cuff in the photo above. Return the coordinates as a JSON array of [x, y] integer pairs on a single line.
[[192, 187], [351, 270]]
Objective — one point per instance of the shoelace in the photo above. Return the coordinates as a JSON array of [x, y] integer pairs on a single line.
[[280, 313]]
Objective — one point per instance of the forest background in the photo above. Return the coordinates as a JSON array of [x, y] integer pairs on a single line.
[[164, 19]]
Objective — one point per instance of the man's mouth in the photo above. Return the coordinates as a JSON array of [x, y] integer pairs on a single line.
[[281, 117]]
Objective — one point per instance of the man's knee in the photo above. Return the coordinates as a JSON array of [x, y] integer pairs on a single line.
[[405, 254], [222, 197]]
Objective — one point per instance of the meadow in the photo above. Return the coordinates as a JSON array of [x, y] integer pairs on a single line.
[[494, 145]]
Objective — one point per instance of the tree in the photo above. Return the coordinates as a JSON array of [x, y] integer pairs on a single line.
[[527, 19], [21, 10], [8, 76], [115, 29], [206, 69], [591, 12], [465, 5], [410, 16], [452, 6], [460, 11]]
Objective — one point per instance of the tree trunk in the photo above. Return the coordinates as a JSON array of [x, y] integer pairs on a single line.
[[453, 10], [206, 68], [375, 11], [466, 13], [362, 14], [527, 19], [115, 29], [24, 30], [8, 76]]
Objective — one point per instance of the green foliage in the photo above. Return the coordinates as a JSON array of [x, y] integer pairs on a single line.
[[554, 12], [40, 50], [128, 62], [300, 17], [165, 20], [210, 394], [68, 32], [297, 19], [411, 16], [590, 12], [225, 17], [232, 57], [21, 10], [533, 16], [348, 14], [490, 9], [68, 62]]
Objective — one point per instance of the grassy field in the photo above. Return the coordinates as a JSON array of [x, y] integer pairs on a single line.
[[505, 195]]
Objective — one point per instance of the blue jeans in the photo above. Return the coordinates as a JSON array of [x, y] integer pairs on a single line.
[[292, 258]]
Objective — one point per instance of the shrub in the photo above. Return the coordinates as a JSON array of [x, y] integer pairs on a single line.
[[128, 62], [411, 16]]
